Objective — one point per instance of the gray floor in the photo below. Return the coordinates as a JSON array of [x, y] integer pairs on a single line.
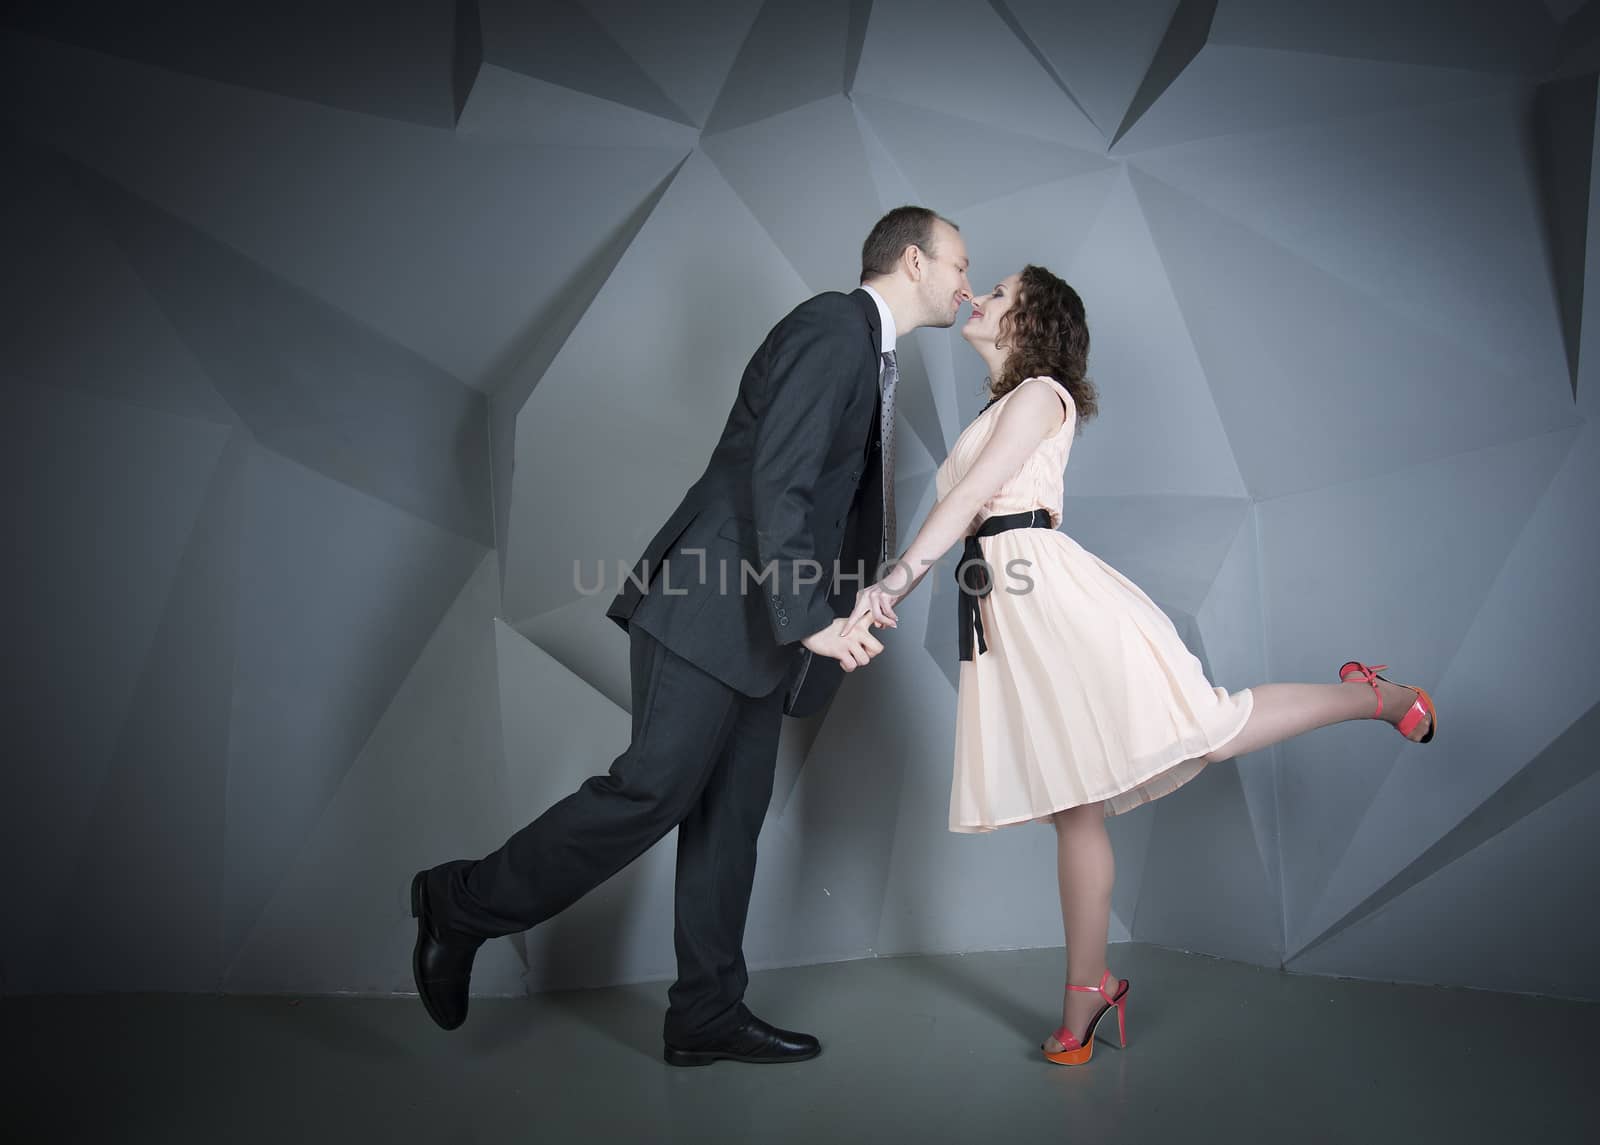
[[918, 1050]]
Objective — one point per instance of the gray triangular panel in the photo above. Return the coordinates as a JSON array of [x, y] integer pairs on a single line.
[[803, 173], [1185, 36], [1232, 625], [306, 378], [584, 640], [405, 62], [530, 356], [1579, 50], [687, 49], [1347, 412], [924, 53], [510, 107], [330, 200], [338, 594], [1558, 769], [956, 162], [155, 867], [79, 650], [1227, 90], [1100, 49], [1428, 211], [1490, 35], [639, 452], [1046, 225], [1469, 923], [794, 55], [429, 785], [1427, 793], [1159, 430], [1201, 829], [563, 43], [1413, 615], [466, 54], [1170, 546], [1588, 384], [76, 314], [1564, 114]]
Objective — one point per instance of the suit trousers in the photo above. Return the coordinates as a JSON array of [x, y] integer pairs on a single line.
[[702, 760]]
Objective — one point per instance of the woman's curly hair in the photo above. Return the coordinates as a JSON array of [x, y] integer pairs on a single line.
[[1046, 332]]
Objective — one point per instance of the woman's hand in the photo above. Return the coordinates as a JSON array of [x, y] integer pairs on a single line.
[[876, 604]]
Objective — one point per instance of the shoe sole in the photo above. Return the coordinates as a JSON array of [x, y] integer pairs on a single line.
[[418, 913], [706, 1057]]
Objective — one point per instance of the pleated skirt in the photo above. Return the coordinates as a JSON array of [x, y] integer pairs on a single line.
[[1086, 693]]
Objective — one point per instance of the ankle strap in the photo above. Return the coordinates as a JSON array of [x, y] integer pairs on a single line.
[[1092, 989], [1354, 669]]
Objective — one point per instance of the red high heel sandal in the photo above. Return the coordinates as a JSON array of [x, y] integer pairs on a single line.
[[1421, 708], [1076, 1052]]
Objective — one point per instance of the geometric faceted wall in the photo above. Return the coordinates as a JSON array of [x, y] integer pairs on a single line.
[[335, 334]]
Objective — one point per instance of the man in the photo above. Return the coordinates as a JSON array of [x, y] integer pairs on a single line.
[[736, 615]]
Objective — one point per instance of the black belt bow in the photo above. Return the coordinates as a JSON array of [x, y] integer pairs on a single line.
[[974, 578]]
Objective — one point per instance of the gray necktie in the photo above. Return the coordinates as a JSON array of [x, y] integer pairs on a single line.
[[891, 375]]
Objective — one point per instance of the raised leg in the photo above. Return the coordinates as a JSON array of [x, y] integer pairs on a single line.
[[1282, 711], [681, 719]]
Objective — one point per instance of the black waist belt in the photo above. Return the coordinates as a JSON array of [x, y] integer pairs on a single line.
[[973, 578]]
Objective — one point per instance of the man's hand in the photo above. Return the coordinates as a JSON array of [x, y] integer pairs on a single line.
[[852, 650]]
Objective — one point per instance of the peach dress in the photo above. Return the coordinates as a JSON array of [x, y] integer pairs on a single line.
[[1086, 692]]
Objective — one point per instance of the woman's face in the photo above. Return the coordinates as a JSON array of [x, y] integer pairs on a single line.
[[987, 309]]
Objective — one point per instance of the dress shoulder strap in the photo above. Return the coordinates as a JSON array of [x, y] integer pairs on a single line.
[[1071, 407]]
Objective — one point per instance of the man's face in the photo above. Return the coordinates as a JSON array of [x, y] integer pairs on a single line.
[[944, 286]]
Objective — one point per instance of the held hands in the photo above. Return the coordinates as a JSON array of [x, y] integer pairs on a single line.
[[852, 649], [847, 639], [875, 603]]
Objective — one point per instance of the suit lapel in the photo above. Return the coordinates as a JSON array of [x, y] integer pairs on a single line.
[[869, 312]]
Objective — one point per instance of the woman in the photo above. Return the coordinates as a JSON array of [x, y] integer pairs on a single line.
[[1078, 700]]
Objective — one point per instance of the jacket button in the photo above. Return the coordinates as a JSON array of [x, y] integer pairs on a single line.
[[783, 622]]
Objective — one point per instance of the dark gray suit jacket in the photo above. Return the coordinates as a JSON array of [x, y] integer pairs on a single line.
[[797, 475]]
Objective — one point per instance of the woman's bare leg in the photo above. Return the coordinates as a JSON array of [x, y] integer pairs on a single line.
[[1086, 872], [1281, 711]]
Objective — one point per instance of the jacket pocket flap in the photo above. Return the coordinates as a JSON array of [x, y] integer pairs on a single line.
[[740, 529]]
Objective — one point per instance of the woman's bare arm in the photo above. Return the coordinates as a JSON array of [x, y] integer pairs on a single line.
[[1031, 414]]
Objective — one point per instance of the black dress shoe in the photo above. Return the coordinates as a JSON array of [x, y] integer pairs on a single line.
[[753, 1041], [441, 962]]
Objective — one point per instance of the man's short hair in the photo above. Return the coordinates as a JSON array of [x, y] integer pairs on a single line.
[[890, 235]]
